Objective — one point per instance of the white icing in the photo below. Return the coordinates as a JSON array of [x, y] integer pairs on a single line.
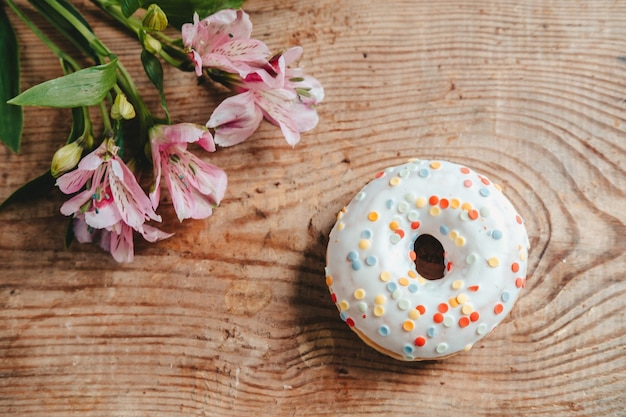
[[376, 284]]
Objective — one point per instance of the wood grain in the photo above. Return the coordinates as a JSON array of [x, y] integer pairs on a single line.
[[231, 316]]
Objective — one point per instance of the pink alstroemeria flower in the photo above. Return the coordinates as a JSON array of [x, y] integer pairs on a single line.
[[222, 41], [195, 186], [284, 96], [117, 239], [112, 202]]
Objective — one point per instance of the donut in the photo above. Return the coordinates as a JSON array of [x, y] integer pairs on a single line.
[[371, 269]]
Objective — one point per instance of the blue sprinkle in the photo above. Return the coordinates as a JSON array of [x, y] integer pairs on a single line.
[[413, 288], [366, 234], [356, 265], [431, 332], [408, 349], [353, 256], [423, 173], [444, 229], [344, 315], [383, 330], [392, 286], [389, 203], [371, 260], [484, 192], [496, 234], [506, 296]]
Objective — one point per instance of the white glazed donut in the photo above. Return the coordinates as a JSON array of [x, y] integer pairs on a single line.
[[373, 279]]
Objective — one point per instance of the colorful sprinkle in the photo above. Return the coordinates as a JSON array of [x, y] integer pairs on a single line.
[[467, 183], [359, 294], [379, 311], [493, 262], [465, 170], [432, 331], [356, 265], [365, 243], [467, 309], [496, 234], [372, 216], [394, 181], [520, 282], [420, 202], [408, 349], [444, 203], [433, 200], [421, 309], [457, 285], [383, 330], [329, 280], [473, 214], [360, 196], [404, 282], [442, 347], [444, 230], [498, 308], [352, 255], [448, 321], [464, 321], [392, 286], [442, 308], [420, 341], [350, 322], [474, 316], [371, 260], [380, 299], [408, 325], [435, 165], [404, 304], [455, 203], [438, 318], [414, 314], [515, 267], [434, 211], [344, 305], [461, 298], [362, 306], [473, 288], [385, 276], [481, 329], [484, 192], [423, 173]]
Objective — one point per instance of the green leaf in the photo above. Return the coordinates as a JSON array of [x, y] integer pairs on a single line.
[[154, 70], [35, 187], [130, 6], [11, 117], [181, 11], [86, 87]]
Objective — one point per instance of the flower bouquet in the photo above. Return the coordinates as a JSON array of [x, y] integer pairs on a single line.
[[99, 168]]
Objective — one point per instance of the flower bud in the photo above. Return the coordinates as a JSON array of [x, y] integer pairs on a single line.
[[122, 109], [155, 18], [151, 45], [66, 158]]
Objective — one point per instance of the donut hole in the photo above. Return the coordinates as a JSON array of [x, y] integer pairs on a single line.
[[429, 257]]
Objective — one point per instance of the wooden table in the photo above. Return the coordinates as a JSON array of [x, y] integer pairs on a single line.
[[231, 316]]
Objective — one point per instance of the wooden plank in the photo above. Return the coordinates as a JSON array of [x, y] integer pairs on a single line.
[[231, 316]]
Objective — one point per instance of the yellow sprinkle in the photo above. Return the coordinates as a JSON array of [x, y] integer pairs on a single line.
[[453, 302], [379, 311], [364, 243], [459, 241], [461, 298], [493, 262], [385, 276], [412, 274], [434, 211], [408, 326], [372, 216], [403, 281], [329, 280], [380, 299], [466, 206], [467, 309], [455, 203], [359, 294], [394, 225], [394, 181], [420, 202], [421, 280], [435, 165], [457, 285], [467, 347], [340, 226], [453, 234], [497, 187], [344, 305], [414, 314], [522, 255]]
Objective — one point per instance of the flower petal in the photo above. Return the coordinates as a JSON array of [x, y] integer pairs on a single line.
[[235, 119]]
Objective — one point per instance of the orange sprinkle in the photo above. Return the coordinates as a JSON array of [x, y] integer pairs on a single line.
[[498, 308], [473, 288], [412, 255], [399, 232], [444, 203], [412, 274], [466, 206], [438, 318], [380, 174], [474, 316], [484, 180], [433, 200], [403, 281], [473, 214], [408, 325], [449, 266], [329, 280], [518, 219], [372, 216], [520, 282], [394, 225], [420, 341], [443, 308], [453, 302], [415, 225], [515, 267], [465, 170], [464, 322], [421, 309]]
